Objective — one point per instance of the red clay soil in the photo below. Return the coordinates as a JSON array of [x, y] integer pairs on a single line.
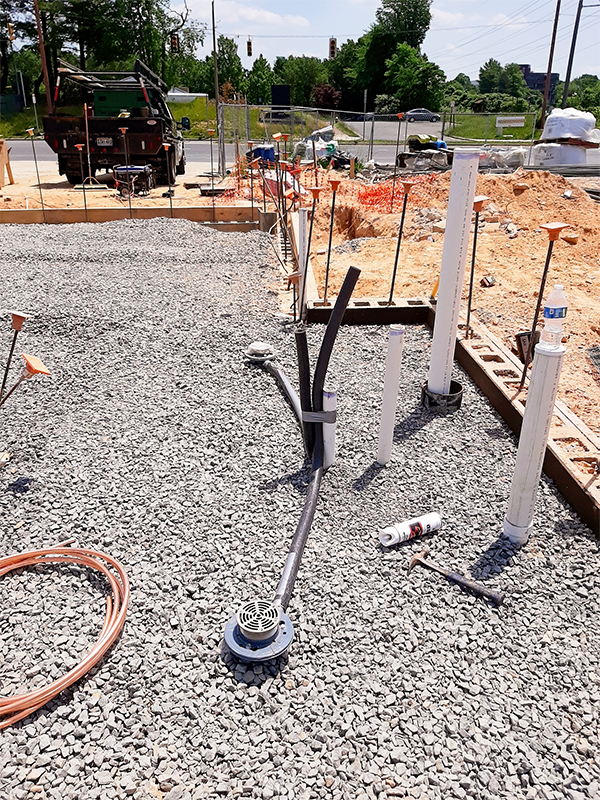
[[511, 247]]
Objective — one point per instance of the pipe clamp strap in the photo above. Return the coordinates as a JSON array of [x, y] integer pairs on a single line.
[[327, 417]]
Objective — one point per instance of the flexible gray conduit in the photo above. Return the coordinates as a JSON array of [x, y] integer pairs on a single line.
[[287, 388], [292, 564]]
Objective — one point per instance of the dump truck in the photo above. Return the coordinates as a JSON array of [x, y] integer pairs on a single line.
[[125, 120]]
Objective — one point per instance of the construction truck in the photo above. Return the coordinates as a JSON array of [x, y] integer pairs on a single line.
[[125, 122]]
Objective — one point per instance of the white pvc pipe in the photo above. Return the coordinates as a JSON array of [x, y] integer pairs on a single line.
[[390, 393], [329, 404], [543, 386], [452, 271]]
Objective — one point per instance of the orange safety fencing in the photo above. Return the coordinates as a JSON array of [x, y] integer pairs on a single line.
[[384, 197]]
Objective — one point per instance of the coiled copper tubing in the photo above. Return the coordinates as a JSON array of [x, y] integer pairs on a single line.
[[19, 706]]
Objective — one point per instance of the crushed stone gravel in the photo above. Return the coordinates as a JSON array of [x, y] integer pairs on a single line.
[[156, 442]]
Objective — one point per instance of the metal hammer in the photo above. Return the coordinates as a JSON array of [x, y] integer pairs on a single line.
[[466, 583]]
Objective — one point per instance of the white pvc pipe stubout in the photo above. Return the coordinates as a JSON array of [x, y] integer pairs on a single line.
[[390, 393], [329, 404], [452, 271], [541, 396]]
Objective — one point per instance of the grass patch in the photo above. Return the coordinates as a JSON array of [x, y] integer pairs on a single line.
[[480, 127]]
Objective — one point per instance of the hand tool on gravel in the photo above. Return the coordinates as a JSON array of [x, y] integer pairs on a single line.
[[466, 583]]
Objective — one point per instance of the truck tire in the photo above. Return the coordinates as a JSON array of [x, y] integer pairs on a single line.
[[181, 165], [73, 177]]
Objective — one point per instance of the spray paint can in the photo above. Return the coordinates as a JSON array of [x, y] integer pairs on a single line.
[[410, 529]]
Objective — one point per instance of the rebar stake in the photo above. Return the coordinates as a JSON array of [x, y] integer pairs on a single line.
[[130, 185], [315, 191], [396, 161], [477, 205], [37, 172], [16, 325], [407, 187], [335, 186], [80, 148], [554, 229], [166, 145]]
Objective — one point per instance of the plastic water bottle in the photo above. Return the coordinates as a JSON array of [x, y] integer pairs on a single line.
[[555, 311]]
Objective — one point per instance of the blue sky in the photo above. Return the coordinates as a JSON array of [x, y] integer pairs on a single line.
[[463, 34]]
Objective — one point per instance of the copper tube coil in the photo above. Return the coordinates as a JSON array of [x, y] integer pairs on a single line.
[[15, 708]]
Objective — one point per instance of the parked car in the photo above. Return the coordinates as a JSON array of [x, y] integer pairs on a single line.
[[421, 115]]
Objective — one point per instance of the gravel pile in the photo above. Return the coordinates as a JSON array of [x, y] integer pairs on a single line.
[[155, 442]]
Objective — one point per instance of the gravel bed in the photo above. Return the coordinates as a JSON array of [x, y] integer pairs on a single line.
[[155, 442]]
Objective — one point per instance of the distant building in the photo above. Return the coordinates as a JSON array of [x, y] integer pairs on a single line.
[[537, 80]]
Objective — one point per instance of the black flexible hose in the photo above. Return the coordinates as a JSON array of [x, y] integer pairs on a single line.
[[308, 428], [287, 388], [292, 563]]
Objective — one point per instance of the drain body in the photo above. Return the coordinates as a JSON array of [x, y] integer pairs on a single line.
[[259, 631]]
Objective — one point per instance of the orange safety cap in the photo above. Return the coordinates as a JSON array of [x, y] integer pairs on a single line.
[[400, 115], [315, 191], [17, 320], [80, 147], [277, 136], [254, 163], [286, 136], [123, 130], [210, 131], [30, 131], [335, 184], [250, 145], [407, 185], [34, 365], [479, 201], [166, 145], [554, 229]]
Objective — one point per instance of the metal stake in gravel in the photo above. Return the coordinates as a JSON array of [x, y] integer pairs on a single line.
[[407, 187], [16, 325], [261, 630], [80, 148], [335, 186], [125, 150], [477, 205], [452, 272], [396, 162], [37, 172], [211, 133], [33, 366], [554, 229], [251, 166], [166, 145]]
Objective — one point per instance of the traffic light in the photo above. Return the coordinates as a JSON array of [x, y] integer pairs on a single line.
[[11, 32], [249, 47], [332, 48], [174, 42]]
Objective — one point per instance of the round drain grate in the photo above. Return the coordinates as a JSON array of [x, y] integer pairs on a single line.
[[258, 620]]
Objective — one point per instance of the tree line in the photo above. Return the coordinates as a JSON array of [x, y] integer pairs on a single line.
[[386, 61]]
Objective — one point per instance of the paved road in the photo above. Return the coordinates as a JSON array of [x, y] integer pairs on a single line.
[[197, 152], [388, 131]]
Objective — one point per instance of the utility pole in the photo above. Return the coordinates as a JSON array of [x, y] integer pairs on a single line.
[[38, 20], [218, 118], [571, 54], [550, 59]]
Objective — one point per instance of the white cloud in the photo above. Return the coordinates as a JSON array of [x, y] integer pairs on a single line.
[[447, 19], [230, 12], [502, 21]]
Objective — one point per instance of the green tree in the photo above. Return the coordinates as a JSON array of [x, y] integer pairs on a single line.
[[260, 80], [229, 65], [414, 79], [489, 76], [397, 22], [302, 74], [340, 75], [512, 81]]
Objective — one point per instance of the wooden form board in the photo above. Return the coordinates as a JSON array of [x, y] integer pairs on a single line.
[[5, 164], [58, 216]]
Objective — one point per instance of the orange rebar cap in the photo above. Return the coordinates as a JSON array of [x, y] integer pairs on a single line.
[[34, 365], [400, 115], [277, 136], [335, 184], [254, 163], [554, 229], [210, 131], [407, 185], [286, 136], [30, 131], [123, 130], [17, 320], [250, 145], [166, 145], [315, 191], [479, 201], [80, 147]]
